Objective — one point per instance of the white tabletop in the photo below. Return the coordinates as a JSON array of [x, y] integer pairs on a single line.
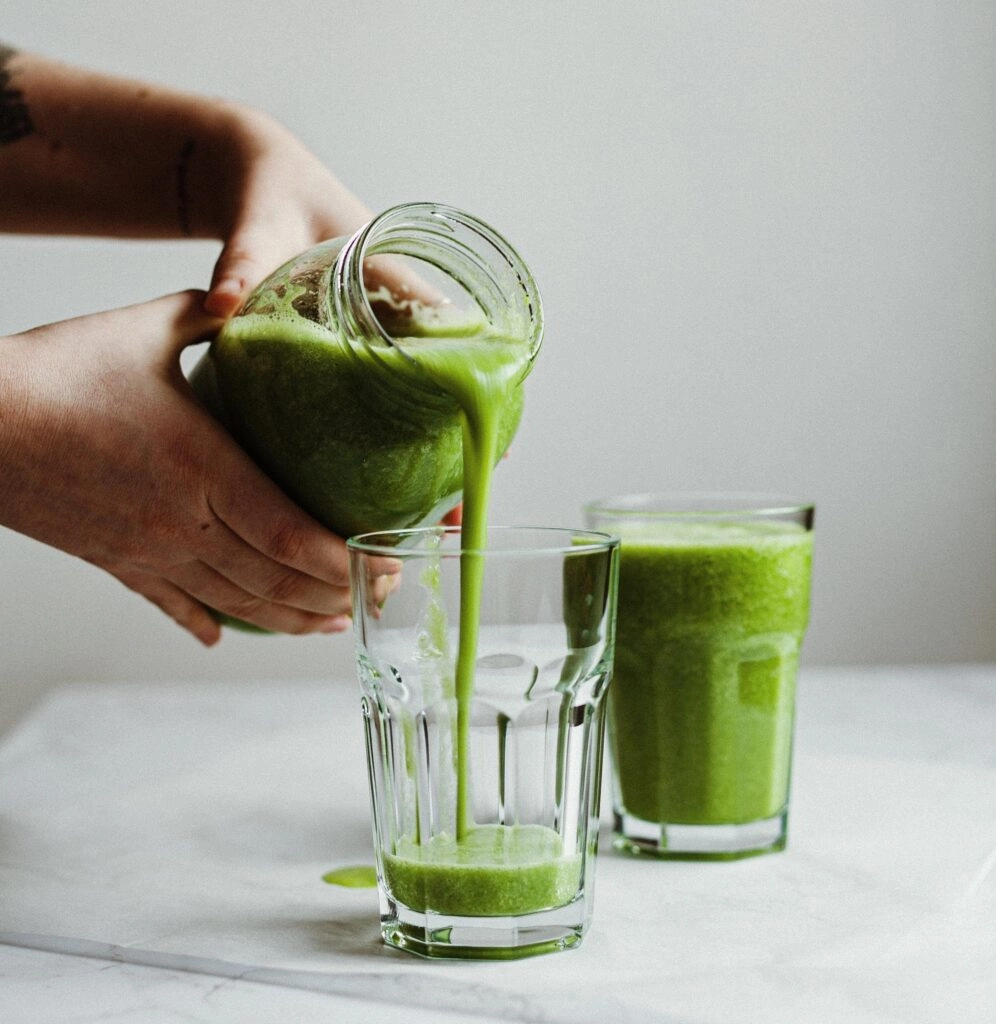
[[162, 846]]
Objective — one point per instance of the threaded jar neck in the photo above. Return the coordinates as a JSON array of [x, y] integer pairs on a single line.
[[493, 278]]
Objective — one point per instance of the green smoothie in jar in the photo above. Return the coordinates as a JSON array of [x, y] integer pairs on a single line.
[[323, 379]]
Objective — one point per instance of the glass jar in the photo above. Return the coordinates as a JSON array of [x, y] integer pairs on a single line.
[[324, 375]]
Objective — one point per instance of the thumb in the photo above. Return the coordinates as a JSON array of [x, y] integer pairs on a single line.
[[186, 318], [243, 263]]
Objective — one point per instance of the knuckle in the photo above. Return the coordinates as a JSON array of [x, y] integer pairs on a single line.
[[284, 588], [300, 627], [286, 543], [246, 607]]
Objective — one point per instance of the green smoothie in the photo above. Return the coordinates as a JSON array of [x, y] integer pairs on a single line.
[[367, 435], [362, 440], [365, 439], [484, 870], [489, 870], [493, 871], [711, 619], [481, 386]]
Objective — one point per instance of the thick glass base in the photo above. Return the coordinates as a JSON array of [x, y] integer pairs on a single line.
[[700, 842], [447, 937]]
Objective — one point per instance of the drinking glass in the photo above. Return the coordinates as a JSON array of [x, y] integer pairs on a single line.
[[713, 606], [483, 676]]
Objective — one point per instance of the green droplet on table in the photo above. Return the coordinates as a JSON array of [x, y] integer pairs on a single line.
[[360, 876]]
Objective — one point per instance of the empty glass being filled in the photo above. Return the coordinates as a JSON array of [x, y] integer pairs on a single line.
[[483, 677]]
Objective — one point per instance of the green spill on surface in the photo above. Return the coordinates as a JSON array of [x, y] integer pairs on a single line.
[[359, 876]]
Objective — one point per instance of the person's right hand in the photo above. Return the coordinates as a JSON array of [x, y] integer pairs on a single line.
[[106, 454]]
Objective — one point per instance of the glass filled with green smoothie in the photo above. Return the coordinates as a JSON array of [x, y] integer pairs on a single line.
[[713, 607], [483, 679]]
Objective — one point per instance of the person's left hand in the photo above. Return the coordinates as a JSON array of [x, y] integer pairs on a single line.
[[275, 199]]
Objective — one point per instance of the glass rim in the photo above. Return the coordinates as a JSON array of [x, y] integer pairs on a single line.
[[698, 504], [368, 544]]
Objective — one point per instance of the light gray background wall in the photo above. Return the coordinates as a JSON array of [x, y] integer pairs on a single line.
[[765, 234]]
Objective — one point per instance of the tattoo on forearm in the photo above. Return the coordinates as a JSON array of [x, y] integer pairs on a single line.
[[15, 119], [182, 195]]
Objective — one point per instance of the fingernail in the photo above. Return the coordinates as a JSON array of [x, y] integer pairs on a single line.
[[223, 299], [336, 624], [209, 636]]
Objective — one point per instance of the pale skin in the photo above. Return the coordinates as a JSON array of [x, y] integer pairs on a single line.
[[104, 452]]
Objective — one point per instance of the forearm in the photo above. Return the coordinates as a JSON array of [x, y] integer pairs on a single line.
[[88, 153]]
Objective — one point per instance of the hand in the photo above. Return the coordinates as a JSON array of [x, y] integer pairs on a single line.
[[454, 517], [106, 454], [103, 155], [277, 200], [281, 201]]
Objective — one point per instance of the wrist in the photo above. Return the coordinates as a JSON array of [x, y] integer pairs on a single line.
[[214, 168], [13, 412]]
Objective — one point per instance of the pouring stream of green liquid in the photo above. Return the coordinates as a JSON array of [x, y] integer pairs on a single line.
[[481, 375], [483, 386]]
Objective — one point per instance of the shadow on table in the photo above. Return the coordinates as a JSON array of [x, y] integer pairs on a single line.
[[348, 934]]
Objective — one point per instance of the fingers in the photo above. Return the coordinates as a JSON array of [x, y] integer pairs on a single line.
[[174, 321], [258, 513], [240, 580], [186, 612], [377, 590], [189, 320], [190, 608], [241, 266], [262, 559], [178, 318], [454, 517], [398, 282], [230, 286], [256, 555], [251, 253], [265, 588], [267, 612]]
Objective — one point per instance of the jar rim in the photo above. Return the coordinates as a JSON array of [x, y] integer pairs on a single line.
[[423, 230]]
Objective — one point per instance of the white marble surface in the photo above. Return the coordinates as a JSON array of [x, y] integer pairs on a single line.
[[161, 849]]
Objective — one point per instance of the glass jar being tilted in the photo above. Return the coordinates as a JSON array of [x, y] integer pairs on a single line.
[[327, 375]]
